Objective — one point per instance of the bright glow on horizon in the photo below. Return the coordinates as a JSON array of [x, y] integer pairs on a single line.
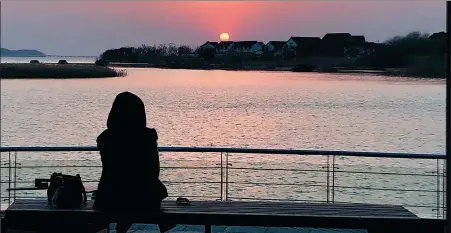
[[224, 36]]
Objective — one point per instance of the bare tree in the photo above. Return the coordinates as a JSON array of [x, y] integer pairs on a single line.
[[184, 49], [172, 50]]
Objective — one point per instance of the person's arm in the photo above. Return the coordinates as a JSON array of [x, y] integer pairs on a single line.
[[158, 164], [100, 145], [155, 153]]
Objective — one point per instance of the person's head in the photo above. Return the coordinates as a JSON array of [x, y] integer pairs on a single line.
[[127, 112]]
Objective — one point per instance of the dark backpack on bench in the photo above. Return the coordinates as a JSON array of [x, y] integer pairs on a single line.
[[66, 191]]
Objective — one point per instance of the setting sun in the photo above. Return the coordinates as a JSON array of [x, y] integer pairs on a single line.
[[224, 36]]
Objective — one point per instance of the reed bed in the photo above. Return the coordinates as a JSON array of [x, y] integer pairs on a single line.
[[57, 71]]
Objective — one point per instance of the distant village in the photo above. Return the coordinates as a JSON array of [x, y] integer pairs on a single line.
[[331, 45], [414, 54]]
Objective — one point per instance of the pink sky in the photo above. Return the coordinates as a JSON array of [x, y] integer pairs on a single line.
[[88, 28]]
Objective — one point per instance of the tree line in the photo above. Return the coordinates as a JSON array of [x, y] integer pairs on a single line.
[[415, 49], [403, 51], [144, 53]]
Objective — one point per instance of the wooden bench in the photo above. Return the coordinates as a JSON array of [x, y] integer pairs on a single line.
[[38, 216]]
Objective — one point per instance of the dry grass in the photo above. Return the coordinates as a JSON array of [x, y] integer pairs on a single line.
[[56, 71]]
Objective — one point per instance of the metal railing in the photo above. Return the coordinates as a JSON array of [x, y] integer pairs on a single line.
[[415, 181]]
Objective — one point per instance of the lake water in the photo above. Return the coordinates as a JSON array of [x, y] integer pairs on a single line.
[[249, 110]]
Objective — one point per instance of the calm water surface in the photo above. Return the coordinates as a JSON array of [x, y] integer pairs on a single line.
[[245, 109]]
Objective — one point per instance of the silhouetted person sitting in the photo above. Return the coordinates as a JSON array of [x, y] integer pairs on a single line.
[[130, 162]]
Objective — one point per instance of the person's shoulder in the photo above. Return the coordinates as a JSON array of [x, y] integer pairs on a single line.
[[152, 133], [102, 139], [102, 136]]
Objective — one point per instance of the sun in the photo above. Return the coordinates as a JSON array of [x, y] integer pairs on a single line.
[[224, 36]]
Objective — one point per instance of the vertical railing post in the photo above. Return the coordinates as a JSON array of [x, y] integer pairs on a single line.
[[327, 179], [333, 179], [222, 179], [15, 175], [9, 178], [438, 189], [1, 181], [227, 176], [444, 189]]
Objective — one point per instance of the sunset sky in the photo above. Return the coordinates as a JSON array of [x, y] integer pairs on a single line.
[[88, 28]]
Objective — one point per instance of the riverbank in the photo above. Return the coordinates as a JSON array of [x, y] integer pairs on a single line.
[[56, 71]]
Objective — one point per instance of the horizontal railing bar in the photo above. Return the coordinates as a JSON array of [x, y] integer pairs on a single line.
[[405, 205], [237, 150], [42, 197], [166, 182], [433, 173], [32, 182], [246, 168], [216, 197], [273, 199], [19, 182], [345, 187], [386, 173], [49, 166], [81, 166], [278, 184], [191, 182], [336, 171], [274, 184], [252, 169], [275, 169], [389, 189], [216, 167]]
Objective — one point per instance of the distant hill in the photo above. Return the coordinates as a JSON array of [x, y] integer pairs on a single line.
[[21, 53]]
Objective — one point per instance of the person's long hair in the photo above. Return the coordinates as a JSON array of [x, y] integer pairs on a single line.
[[127, 113]]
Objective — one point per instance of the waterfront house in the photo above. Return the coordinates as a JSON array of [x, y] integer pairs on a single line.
[[209, 45], [370, 47], [438, 36], [357, 47], [333, 44], [254, 47], [274, 47], [224, 47], [336, 38], [357, 40], [343, 45], [439, 42], [258, 48], [301, 46]]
